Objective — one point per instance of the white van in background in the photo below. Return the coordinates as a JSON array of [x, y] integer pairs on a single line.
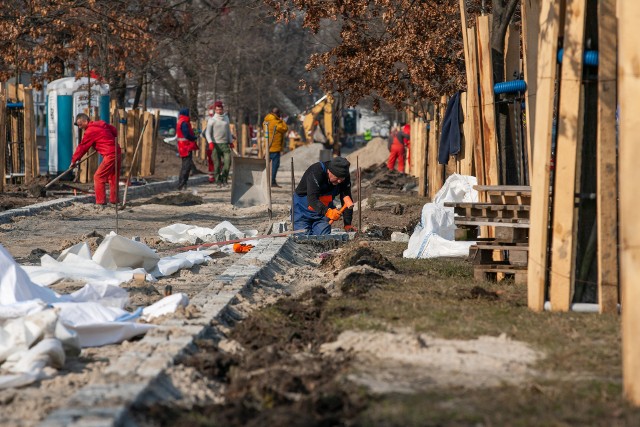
[[168, 123]]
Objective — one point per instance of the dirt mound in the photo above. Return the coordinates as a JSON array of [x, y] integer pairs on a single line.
[[93, 239], [303, 157], [381, 177], [374, 153], [181, 199], [354, 255]]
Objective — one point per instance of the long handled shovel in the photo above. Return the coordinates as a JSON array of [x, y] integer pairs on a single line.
[[72, 167], [133, 162]]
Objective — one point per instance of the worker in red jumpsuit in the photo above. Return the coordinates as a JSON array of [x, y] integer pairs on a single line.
[[100, 136], [399, 141]]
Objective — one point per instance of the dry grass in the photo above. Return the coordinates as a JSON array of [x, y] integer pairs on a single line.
[[578, 382]]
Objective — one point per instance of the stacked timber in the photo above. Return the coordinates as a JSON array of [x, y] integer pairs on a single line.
[[506, 212]]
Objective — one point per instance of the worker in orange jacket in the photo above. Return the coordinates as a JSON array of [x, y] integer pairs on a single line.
[[186, 145]]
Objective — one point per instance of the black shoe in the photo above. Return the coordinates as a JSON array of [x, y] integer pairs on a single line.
[[275, 185]]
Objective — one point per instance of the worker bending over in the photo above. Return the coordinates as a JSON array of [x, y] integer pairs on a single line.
[[102, 137], [313, 206]]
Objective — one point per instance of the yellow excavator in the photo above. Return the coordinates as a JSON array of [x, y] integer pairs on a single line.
[[319, 124]]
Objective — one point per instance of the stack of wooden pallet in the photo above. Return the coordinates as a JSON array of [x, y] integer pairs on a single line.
[[506, 213]]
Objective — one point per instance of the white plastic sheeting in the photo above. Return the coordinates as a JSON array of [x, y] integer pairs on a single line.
[[182, 233], [434, 236], [166, 305]]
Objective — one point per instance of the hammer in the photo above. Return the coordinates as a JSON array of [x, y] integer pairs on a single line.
[[346, 203]]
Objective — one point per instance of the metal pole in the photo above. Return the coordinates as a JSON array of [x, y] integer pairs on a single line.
[[359, 181], [293, 185]]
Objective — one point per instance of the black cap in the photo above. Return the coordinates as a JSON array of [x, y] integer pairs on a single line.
[[339, 166]]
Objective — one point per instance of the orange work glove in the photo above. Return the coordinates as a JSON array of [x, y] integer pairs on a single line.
[[241, 248], [333, 214], [350, 228]]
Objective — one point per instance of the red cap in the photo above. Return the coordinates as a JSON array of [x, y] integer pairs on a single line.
[[218, 104]]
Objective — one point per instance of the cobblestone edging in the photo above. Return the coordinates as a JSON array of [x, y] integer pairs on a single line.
[[136, 375], [132, 193]]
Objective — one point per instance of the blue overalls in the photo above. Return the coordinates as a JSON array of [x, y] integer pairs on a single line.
[[305, 218]]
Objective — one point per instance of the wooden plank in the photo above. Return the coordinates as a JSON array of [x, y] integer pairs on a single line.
[[473, 104], [504, 189], [530, 30], [629, 175], [567, 162], [146, 151], [3, 139], [466, 156], [244, 140], [489, 134], [550, 17], [29, 136], [432, 158], [132, 118], [423, 142], [512, 53], [607, 197], [492, 223]]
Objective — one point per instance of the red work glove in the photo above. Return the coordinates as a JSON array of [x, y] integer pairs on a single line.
[[333, 214], [232, 145], [350, 229], [211, 146]]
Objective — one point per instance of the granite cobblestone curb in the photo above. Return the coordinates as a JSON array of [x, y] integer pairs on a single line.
[[136, 376], [133, 192]]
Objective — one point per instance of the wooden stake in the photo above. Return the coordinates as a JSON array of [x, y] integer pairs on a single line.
[[606, 157], [568, 160], [473, 101], [489, 134], [629, 87], [530, 31], [550, 18]]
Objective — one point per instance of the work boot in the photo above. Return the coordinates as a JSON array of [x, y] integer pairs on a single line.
[[275, 185], [100, 206]]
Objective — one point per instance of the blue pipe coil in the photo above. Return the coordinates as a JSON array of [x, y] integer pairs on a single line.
[[590, 57], [510, 87], [15, 105]]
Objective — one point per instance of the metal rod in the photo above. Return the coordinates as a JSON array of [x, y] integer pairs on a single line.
[[115, 169], [56, 179], [293, 189], [359, 181]]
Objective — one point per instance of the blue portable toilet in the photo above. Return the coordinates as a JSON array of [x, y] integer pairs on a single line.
[[66, 98]]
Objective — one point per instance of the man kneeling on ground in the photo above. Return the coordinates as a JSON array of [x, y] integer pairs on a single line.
[[313, 198]]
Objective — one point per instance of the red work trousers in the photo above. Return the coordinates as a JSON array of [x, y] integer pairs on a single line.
[[396, 153], [210, 165], [108, 172]]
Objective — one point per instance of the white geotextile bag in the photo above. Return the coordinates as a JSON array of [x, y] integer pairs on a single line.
[[434, 236], [182, 233]]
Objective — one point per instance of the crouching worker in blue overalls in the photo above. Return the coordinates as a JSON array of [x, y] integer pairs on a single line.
[[313, 199]]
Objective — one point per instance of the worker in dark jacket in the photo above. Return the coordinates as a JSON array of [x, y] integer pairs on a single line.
[[313, 206], [186, 145], [102, 137]]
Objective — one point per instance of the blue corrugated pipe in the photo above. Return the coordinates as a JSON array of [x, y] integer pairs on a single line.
[[15, 105], [590, 57], [510, 87]]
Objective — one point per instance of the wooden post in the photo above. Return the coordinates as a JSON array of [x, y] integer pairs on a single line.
[[568, 159], [3, 139], [244, 140], [29, 135], [530, 31], [130, 146], [606, 157], [473, 100], [629, 87], [422, 156], [147, 151], [466, 159], [489, 133], [550, 19]]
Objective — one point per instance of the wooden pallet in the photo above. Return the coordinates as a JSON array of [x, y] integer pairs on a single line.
[[506, 194], [494, 271], [492, 222], [490, 210], [514, 254]]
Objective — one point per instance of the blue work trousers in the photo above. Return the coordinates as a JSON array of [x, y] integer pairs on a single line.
[[275, 164], [306, 219]]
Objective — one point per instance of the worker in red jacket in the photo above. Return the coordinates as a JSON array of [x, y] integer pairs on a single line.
[[102, 137], [187, 143]]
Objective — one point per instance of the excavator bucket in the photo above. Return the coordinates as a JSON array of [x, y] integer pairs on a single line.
[[249, 182]]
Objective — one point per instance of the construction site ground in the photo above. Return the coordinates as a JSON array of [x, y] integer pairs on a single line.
[[333, 333]]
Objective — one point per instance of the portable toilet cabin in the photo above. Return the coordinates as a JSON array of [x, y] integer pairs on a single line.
[[66, 98]]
